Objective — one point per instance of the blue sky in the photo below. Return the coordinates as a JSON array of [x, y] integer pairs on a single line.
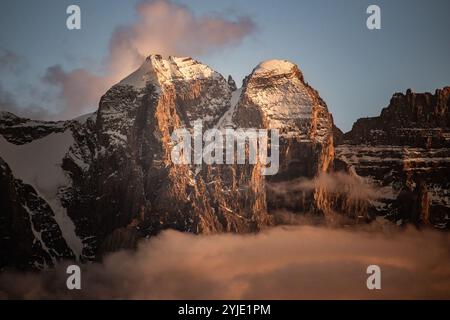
[[355, 70]]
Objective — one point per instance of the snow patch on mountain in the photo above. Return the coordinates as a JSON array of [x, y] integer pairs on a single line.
[[85, 117], [38, 164], [38, 235]]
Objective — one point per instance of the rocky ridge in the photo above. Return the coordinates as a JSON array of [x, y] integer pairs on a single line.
[[405, 152]]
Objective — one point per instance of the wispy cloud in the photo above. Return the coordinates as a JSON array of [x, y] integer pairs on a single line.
[[11, 61], [79, 89], [171, 29]]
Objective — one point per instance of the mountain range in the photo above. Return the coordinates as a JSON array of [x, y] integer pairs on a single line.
[[81, 188]]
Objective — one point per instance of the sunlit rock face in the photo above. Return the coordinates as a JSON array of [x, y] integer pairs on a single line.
[[276, 96], [406, 152]]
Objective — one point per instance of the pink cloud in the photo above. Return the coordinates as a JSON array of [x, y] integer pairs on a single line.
[[80, 89], [298, 262]]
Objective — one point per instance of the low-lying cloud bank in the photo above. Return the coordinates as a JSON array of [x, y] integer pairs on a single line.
[[353, 186], [299, 262]]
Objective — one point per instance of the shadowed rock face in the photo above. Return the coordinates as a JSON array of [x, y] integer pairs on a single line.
[[20, 131], [30, 236], [112, 181], [406, 152]]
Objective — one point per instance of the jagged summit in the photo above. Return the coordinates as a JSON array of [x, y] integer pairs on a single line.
[[232, 83], [276, 94], [406, 150], [414, 119], [160, 70]]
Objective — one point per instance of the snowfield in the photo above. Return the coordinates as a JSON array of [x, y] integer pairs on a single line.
[[38, 164]]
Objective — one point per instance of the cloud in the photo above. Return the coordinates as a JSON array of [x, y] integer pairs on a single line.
[[6, 99], [299, 262], [9, 103], [352, 186], [161, 27], [343, 198], [171, 29], [12, 64], [11, 61], [80, 90]]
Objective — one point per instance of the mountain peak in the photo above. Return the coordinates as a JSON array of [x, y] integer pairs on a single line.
[[160, 70], [274, 67]]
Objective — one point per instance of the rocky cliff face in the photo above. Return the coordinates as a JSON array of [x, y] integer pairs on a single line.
[[405, 151], [78, 189], [276, 96]]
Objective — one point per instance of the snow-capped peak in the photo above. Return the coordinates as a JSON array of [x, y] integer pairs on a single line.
[[278, 90], [158, 70], [274, 67]]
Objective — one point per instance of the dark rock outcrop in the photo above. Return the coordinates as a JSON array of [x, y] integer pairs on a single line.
[[30, 237], [406, 152], [231, 83]]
